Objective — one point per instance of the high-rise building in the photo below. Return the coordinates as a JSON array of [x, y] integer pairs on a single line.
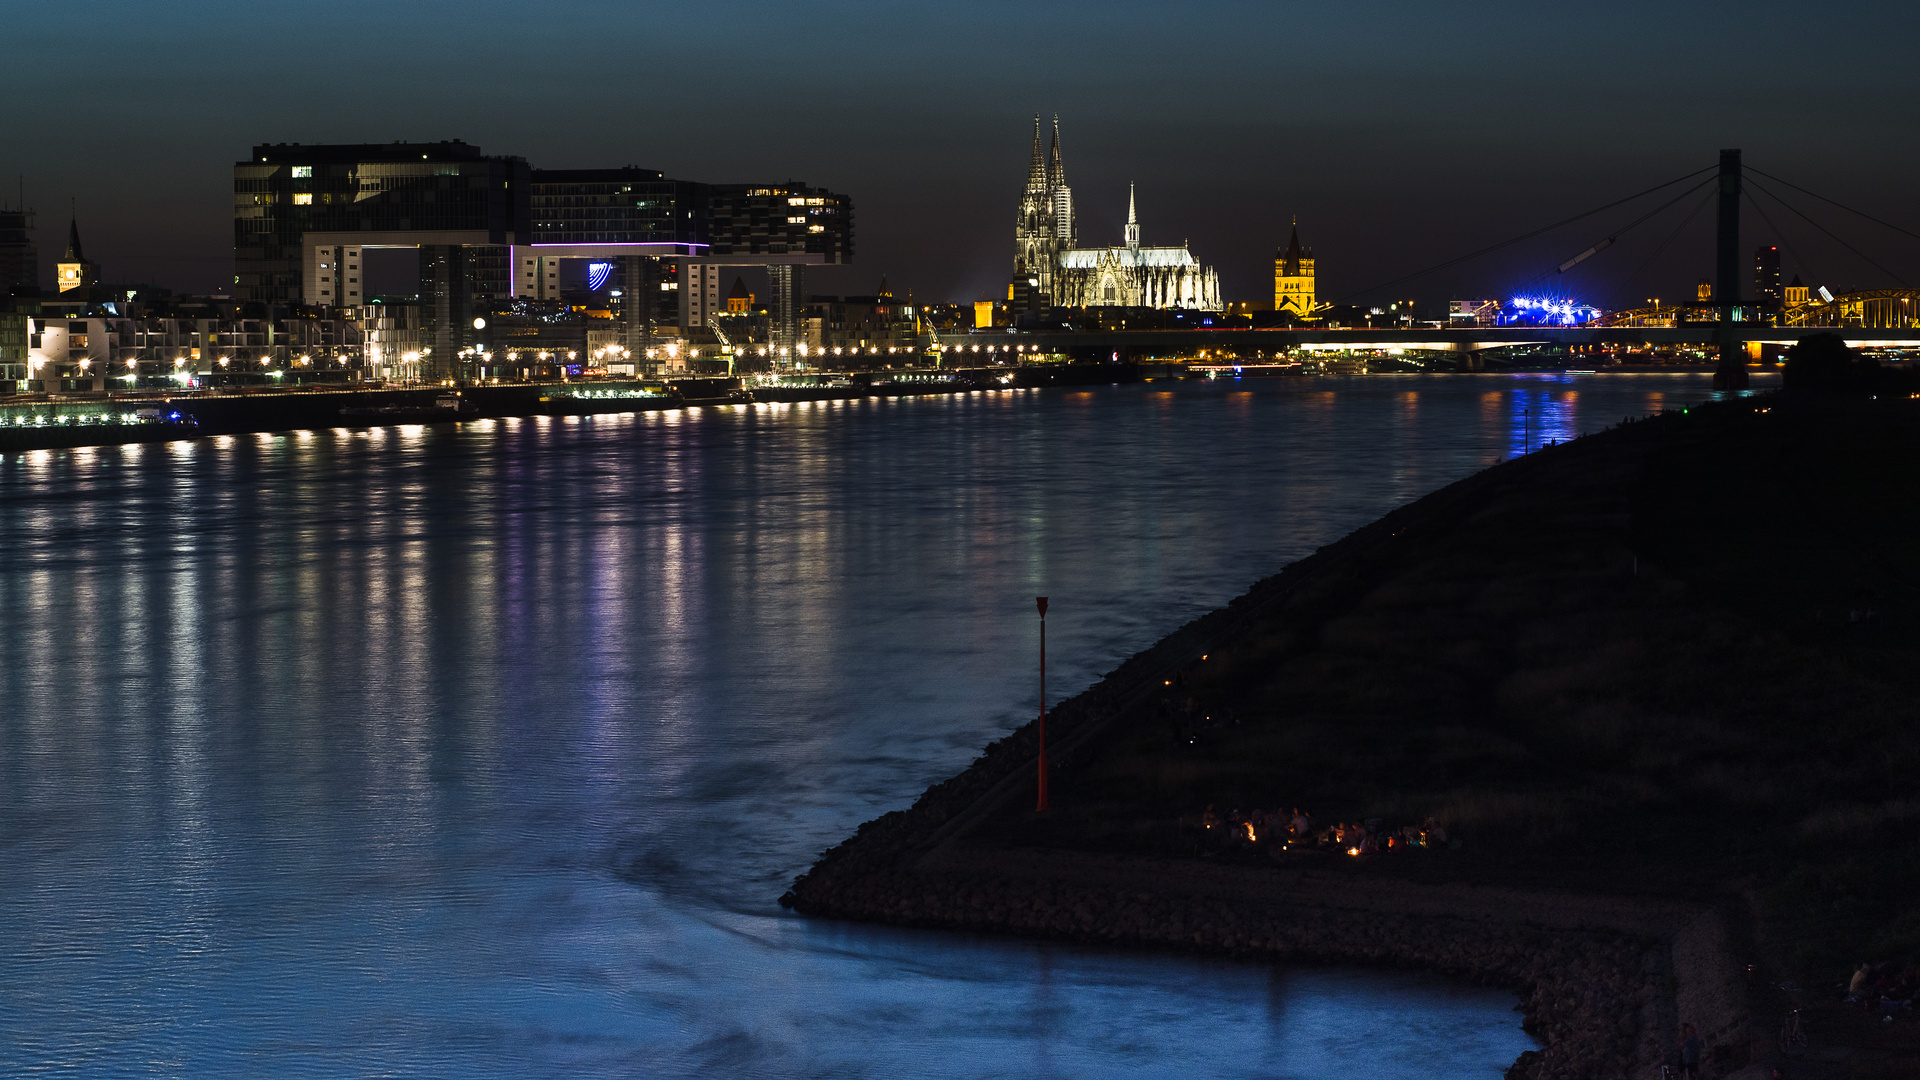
[[1293, 278], [1766, 278], [491, 228], [784, 227], [19, 259], [303, 217], [293, 204], [1043, 227]]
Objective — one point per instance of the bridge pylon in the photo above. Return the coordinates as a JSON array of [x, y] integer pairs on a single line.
[[1731, 372]]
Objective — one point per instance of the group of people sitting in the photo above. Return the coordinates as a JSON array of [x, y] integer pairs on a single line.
[[1887, 988], [1295, 829]]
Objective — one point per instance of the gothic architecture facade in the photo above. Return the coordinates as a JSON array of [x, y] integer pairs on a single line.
[[1043, 228], [1135, 276], [1050, 271]]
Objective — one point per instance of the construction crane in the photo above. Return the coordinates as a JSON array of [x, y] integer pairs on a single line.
[[726, 343]]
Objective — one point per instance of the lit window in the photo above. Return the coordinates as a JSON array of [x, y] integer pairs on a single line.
[[302, 172], [796, 202], [796, 221], [816, 228], [303, 199]]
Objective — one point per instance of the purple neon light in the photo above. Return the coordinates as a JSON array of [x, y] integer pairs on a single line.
[[625, 243]]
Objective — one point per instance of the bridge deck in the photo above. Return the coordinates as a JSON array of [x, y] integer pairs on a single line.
[[1474, 339]]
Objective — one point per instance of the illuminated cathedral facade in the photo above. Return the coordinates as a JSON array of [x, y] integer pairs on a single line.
[[1049, 270]]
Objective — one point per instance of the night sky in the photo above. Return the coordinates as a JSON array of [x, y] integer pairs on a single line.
[[1401, 133]]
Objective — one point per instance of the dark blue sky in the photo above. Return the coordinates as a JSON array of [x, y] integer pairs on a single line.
[[1400, 132]]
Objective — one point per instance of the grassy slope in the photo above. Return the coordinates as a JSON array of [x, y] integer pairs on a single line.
[[1627, 666]]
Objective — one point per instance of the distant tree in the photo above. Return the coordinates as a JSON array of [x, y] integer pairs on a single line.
[[1824, 364]]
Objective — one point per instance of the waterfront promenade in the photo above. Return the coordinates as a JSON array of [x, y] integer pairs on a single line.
[[35, 422]]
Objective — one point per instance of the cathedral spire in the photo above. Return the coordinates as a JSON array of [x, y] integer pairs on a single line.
[[1037, 168], [1056, 172], [73, 242], [1133, 220]]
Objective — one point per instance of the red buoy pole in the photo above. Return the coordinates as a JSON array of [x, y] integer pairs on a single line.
[[1041, 602]]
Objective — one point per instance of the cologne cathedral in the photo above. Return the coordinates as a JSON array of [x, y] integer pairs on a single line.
[[1050, 271]]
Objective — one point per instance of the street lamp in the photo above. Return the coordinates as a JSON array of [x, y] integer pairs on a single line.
[[1041, 804]]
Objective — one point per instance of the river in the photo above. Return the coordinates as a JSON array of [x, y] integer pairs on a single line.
[[485, 750]]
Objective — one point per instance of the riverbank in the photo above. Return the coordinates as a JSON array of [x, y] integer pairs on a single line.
[[1657, 682], [101, 419]]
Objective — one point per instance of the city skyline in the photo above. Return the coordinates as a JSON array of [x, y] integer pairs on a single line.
[[1397, 137]]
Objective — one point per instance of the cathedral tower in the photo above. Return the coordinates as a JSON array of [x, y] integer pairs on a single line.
[[1062, 195], [1042, 228], [1293, 279], [1133, 221]]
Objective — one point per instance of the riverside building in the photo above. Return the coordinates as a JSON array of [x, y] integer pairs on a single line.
[[491, 230], [96, 351]]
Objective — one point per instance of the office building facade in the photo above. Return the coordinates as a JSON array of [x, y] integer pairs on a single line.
[[19, 258], [490, 229]]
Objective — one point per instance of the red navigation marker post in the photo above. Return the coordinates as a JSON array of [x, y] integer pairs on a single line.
[[1041, 602]]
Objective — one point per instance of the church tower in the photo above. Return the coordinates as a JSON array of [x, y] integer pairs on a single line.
[[1293, 279], [1062, 195], [1042, 227], [73, 271], [1033, 239], [1133, 221]]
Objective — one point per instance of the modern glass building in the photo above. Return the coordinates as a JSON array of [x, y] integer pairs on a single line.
[[445, 193], [491, 229], [616, 206]]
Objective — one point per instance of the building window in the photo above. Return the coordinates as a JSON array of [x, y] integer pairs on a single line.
[[303, 198], [301, 172]]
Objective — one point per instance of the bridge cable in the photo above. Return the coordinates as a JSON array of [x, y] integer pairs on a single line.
[[1664, 244], [1630, 226], [1781, 233], [1863, 255], [1824, 199], [1524, 236]]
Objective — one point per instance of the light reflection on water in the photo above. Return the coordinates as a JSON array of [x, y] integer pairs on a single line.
[[485, 751]]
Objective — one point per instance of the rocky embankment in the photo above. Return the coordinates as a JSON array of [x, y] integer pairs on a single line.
[[1605, 981]]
